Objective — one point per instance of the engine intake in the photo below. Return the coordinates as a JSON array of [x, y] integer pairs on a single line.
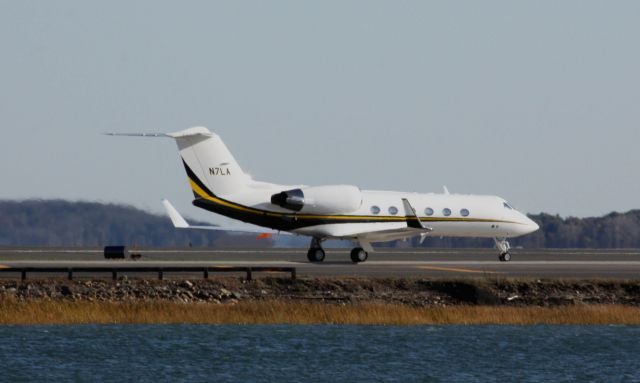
[[333, 199], [290, 199]]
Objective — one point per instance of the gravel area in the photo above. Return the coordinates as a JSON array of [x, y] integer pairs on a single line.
[[413, 292]]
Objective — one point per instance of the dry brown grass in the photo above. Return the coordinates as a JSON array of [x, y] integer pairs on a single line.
[[275, 312]]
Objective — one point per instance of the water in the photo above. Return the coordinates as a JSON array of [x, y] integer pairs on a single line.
[[160, 353]]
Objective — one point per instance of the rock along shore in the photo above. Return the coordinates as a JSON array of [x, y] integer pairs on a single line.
[[412, 292]]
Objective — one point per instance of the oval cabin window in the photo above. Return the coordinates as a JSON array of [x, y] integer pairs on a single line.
[[446, 212], [428, 211], [393, 210], [464, 212], [375, 210]]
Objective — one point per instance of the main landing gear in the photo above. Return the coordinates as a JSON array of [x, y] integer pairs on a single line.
[[359, 255], [316, 253], [504, 247]]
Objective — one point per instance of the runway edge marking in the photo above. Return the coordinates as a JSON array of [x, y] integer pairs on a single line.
[[456, 270]]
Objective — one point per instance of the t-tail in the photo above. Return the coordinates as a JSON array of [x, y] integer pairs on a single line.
[[211, 168]]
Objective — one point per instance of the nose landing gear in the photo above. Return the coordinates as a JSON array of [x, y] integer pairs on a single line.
[[504, 247]]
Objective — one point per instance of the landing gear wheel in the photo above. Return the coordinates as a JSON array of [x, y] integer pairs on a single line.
[[359, 255], [503, 247], [315, 254]]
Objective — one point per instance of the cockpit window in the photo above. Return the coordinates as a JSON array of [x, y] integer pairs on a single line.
[[507, 206]]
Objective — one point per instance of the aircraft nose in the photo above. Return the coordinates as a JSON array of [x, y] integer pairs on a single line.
[[532, 225], [527, 225]]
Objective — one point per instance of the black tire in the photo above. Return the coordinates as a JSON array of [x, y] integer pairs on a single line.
[[506, 257], [315, 254], [501, 257], [359, 255]]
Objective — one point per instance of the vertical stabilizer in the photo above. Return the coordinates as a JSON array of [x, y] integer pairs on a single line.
[[208, 160]]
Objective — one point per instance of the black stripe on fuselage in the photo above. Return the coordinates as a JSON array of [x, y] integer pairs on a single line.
[[281, 221], [192, 176], [291, 221]]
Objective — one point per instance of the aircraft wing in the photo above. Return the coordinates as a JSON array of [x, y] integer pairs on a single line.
[[414, 227], [180, 223], [392, 234]]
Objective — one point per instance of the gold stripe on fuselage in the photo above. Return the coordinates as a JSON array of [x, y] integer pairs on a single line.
[[205, 195]]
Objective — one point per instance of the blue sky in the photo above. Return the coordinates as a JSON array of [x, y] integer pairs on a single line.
[[534, 101]]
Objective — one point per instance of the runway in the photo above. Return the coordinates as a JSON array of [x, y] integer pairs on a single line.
[[619, 264]]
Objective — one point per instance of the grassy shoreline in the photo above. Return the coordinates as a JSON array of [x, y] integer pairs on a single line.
[[49, 311]]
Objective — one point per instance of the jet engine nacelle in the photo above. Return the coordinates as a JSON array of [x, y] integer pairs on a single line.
[[333, 199]]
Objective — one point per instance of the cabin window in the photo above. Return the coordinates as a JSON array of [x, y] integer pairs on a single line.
[[446, 211], [507, 206], [464, 212], [428, 211], [393, 210], [375, 209]]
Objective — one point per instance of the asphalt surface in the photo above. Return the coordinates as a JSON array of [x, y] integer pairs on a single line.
[[623, 264]]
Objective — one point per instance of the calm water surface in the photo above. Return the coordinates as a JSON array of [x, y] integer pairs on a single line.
[[160, 353]]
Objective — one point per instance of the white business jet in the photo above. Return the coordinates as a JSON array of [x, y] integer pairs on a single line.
[[334, 211]]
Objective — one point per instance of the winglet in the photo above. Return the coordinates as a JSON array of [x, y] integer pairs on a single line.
[[176, 218], [412, 217]]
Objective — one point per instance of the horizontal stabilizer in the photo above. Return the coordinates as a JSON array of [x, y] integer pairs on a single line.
[[180, 223], [177, 220], [191, 132], [138, 134]]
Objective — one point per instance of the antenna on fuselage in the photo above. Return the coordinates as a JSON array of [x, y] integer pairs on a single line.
[[446, 191]]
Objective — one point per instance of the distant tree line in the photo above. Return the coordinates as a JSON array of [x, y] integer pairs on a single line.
[[65, 223], [614, 230]]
